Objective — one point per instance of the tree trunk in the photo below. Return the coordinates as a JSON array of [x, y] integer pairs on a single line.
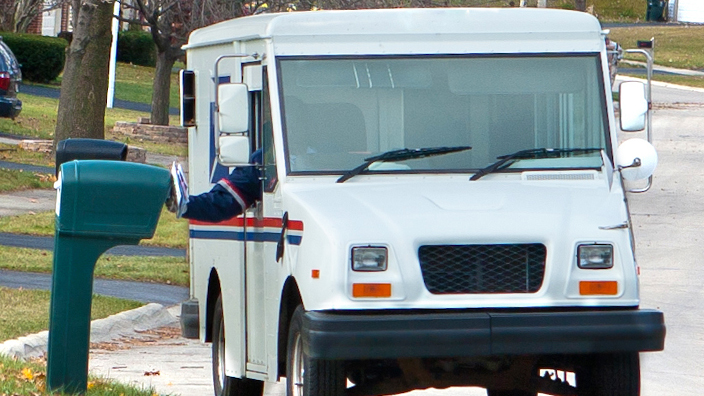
[[161, 88], [580, 5], [7, 15], [85, 82]]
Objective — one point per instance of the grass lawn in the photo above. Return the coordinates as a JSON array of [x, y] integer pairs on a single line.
[[690, 81], [27, 311], [169, 270], [29, 378], [675, 46], [134, 83], [38, 120], [13, 153], [15, 180], [170, 231]]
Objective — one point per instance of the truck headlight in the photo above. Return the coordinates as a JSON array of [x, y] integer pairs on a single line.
[[595, 256], [369, 258]]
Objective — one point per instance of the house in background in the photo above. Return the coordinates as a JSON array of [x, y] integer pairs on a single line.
[[55, 21], [51, 23]]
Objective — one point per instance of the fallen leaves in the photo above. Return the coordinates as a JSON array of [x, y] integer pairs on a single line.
[[46, 177], [24, 381], [27, 374]]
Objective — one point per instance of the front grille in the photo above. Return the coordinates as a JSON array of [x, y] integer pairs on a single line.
[[472, 269]]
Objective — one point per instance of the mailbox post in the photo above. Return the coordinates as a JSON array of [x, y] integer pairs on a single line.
[[100, 204]]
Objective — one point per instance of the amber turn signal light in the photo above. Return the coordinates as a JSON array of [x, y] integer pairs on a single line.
[[598, 288], [377, 290]]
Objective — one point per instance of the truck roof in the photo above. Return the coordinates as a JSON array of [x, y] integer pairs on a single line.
[[409, 25]]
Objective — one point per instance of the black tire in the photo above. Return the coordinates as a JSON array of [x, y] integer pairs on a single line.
[[306, 376], [615, 374], [493, 392], [222, 384]]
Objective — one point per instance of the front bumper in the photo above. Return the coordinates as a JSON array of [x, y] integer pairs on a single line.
[[370, 335]]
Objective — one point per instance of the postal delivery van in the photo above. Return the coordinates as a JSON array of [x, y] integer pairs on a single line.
[[444, 204]]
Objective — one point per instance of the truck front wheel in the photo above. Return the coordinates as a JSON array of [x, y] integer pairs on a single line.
[[306, 376], [224, 385], [491, 392], [615, 374]]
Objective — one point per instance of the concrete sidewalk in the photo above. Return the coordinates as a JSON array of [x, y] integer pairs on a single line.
[[163, 360], [156, 358]]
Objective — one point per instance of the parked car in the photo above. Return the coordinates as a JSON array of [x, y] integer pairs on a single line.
[[10, 79]]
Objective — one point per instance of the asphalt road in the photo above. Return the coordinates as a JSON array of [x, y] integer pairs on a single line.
[[47, 243], [117, 103], [138, 291]]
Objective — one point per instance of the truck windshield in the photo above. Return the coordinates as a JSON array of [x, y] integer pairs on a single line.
[[338, 111]]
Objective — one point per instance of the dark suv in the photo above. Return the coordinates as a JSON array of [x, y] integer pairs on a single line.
[[10, 79]]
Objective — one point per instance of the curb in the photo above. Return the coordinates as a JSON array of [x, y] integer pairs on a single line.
[[123, 324]]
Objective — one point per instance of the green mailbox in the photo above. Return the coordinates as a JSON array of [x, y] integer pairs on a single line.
[[100, 204]]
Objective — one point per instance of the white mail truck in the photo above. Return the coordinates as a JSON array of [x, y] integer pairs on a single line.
[[444, 204]]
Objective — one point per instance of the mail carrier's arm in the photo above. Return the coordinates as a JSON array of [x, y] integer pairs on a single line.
[[228, 198]]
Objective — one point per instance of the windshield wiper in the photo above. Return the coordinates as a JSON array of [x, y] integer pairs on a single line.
[[529, 154], [400, 155]]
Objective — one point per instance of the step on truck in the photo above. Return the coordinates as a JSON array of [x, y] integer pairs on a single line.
[[444, 204]]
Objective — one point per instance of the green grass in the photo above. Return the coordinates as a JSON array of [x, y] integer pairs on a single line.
[[605, 10], [27, 311], [13, 153], [690, 81], [170, 231], [38, 120], [618, 10], [16, 180], [180, 150], [29, 379], [40, 224], [169, 270], [680, 46], [134, 83]]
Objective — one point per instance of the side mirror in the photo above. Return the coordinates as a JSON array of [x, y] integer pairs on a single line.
[[234, 150], [233, 108], [636, 159], [188, 98], [633, 106]]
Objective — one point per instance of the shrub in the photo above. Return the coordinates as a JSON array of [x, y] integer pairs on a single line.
[[42, 58], [136, 47]]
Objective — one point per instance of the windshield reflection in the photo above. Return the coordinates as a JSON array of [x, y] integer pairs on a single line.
[[339, 111]]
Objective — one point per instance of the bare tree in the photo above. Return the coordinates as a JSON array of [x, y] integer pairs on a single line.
[[17, 15], [170, 22], [25, 12], [7, 14], [85, 82], [363, 4]]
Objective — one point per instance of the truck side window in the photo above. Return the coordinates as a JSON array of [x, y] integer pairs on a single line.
[[268, 139]]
